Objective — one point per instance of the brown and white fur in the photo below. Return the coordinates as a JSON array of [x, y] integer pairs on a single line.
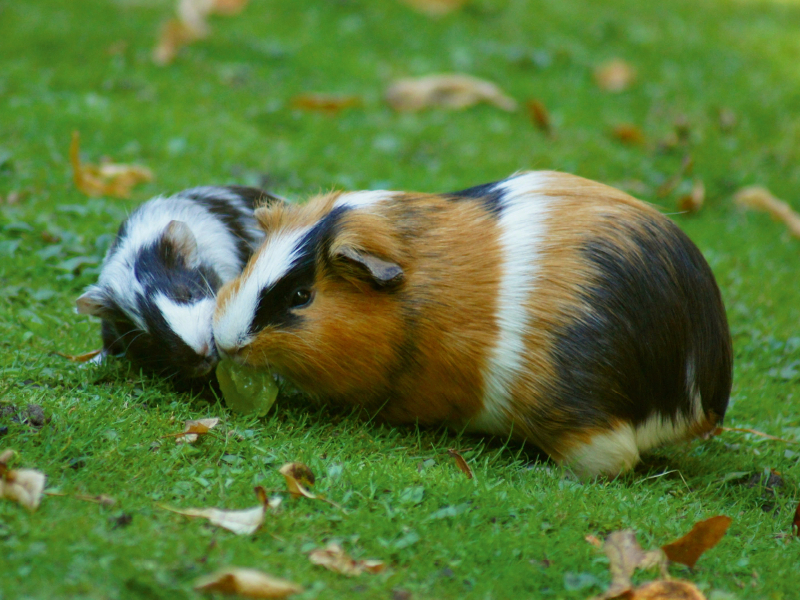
[[545, 306]]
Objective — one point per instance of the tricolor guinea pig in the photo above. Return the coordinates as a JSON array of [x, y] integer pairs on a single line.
[[545, 307], [158, 282]]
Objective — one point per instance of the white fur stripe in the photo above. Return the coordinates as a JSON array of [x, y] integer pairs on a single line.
[[522, 226], [362, 199], [275, 259], [191, 322]]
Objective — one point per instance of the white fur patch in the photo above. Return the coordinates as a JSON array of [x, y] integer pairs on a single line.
[[232, 320], [522, 226], [190, 322], [362, 199]]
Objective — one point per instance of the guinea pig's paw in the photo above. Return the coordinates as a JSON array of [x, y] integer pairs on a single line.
[[608, 452]]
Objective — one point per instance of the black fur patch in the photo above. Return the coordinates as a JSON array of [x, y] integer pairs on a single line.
[[490, 193], [651, 316], [253, 197], [160, 268], [274, 302]]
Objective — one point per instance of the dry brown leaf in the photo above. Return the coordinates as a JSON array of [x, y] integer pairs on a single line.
[[677, 589], [242, 522], [195, 428], [760, 198], [454, 91], [628, 134], [796, 520], [703, 536], [248, 583], [175, 34], [106, 179], [334, 558], [298, 479], [593, 540], [435, 8], [81, 358], [23, 486], [693, 201], [539, 115], [461, 463], [326, 103], [625, 556], [229, 7], [615, 75]]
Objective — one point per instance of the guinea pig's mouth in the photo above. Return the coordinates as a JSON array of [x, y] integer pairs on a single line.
[[204, 367]]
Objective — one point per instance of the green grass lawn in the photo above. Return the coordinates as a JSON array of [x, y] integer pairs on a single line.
[[221, 113]]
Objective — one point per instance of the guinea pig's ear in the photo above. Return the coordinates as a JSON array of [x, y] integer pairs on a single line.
[[270, 213], [383, 274], [91, 302], [178, 241]]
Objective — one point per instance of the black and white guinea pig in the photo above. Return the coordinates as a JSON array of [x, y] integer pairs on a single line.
[[158, 282], [546, 307]]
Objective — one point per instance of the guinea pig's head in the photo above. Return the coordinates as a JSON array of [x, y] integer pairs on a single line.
[[321, 302], [156, 301]]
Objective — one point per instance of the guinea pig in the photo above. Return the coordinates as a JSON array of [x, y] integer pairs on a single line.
[[158, 281], [544, 307]]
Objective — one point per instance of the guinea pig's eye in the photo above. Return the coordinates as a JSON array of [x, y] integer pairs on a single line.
[[300, 297]]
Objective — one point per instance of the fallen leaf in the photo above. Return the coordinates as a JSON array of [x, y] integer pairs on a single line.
[[334, 558], [248, 583], [760, 198], [23, 486], [195, 428], [703, 536], [676, 589], [615, 75], [229, 7], [298, 479], [461, 463], [106, 179], [540, 116], [454, 91], [175, 34], [628, 134], [594, 541], [625, 556], [796, 520], [242, 522], [325, 102], [435, 8], [693, 201], [81, 358]]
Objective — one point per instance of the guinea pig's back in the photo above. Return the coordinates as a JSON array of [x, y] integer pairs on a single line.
[[626, 343]]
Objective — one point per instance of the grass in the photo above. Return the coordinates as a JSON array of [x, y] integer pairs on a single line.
[[221, 114]]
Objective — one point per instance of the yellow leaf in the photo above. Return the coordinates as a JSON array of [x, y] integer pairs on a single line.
[[242, 522], [703, 536], [614, 75], [80, 358], [106, 179], [461, 463], [760, 198], [23, 486], [195, 428], [248, 583], [453, 91], [298, 479]]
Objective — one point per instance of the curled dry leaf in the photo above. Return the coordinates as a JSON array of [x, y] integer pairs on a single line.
[[625, 555], [615, 75], [760, 198], [703, 536], [593, 540], [326, 103], [298, 479], [175, 34], [242, 522], [23, 486], [101, 499], [81, 358], [693, 201], [454, 91], [461, 463], [666, 590], [539, 115], [435, 8], [249, 583], [767, 436], [195, 428], [106, 179], [627, 134], [334, 558]]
